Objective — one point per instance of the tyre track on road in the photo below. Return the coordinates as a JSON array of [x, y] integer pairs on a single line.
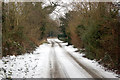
[[56, 69], [93, 74]]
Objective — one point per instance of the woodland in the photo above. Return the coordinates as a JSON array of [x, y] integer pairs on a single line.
[[92, 27]]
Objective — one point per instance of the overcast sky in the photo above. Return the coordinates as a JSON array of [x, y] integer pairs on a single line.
[[60, 10]]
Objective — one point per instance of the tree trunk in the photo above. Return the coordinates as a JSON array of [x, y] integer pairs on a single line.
[[0, 54]]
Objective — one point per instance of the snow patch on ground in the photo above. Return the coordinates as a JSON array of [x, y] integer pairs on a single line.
[[53, 40], [91, 64], [28, 65]]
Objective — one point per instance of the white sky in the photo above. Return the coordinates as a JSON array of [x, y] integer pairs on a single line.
[[60, 10]]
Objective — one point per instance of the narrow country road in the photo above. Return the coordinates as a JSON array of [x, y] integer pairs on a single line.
[[52, 60], [65, 65], [62, 65]]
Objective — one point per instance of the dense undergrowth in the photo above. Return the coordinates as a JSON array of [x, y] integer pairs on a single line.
[[97, 29], [25, 26]]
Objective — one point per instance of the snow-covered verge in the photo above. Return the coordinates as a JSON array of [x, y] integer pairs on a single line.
[[90, 64], [34, 65], [37, 64]]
